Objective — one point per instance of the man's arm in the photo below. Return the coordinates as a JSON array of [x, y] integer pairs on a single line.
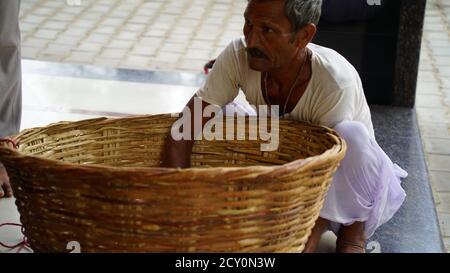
[[177, 154], [220, 88]]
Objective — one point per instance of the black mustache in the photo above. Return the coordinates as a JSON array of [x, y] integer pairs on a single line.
[[257, 53]]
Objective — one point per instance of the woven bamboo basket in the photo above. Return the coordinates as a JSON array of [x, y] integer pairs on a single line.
[[97, 182]]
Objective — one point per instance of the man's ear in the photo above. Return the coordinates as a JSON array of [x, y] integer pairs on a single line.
[[305, 35]]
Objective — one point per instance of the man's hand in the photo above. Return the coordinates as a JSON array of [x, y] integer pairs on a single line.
[[5, 187], [177, 154]]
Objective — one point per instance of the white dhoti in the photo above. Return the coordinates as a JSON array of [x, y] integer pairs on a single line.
[[366, 186], [10, 68]]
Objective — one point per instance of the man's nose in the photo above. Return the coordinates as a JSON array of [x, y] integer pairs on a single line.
[[253, 39]]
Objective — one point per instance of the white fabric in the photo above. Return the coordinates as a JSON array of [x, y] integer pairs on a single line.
[[334, 93], [366, 186]]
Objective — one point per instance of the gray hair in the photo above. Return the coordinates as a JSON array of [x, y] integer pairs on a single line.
[[303, 12]]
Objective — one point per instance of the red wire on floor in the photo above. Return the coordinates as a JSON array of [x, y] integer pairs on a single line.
[[23, 244], [10, 141]]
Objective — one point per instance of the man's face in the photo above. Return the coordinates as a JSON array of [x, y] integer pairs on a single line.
[[268, 35]]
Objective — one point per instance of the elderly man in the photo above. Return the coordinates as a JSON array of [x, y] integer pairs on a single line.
[[10, 79], [277, 64]]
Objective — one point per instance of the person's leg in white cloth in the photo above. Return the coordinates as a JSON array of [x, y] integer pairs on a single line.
[[10, 78], [365, 192]]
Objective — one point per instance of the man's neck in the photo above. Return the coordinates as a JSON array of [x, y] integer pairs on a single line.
[[288, 73]]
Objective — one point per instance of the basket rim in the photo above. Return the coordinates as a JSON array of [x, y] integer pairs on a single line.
[[336, 152]]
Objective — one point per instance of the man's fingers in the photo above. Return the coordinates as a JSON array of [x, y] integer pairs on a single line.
[[5, 186], [8, 189], [5, 189]]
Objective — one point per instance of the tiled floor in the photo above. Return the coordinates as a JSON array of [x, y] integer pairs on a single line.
[[433, 106], [138, 34]]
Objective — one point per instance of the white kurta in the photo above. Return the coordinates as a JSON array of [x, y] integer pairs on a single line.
[[334, 93], [10, 68]]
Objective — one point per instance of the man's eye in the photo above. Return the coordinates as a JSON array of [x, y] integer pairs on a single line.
[[267, 29]]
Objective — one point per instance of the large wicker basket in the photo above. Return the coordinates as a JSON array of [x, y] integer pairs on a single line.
[[95, 182]]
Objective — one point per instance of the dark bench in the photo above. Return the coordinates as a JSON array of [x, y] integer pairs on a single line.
[[415, 227]]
